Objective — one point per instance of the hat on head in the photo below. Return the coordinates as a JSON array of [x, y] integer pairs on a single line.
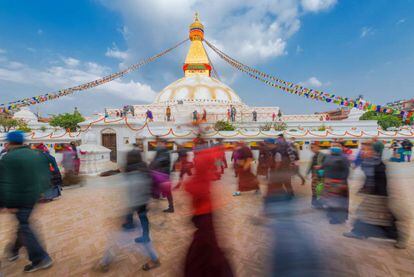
[[15, 137]]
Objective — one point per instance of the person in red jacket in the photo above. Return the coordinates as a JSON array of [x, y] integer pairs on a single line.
[[204, 257]]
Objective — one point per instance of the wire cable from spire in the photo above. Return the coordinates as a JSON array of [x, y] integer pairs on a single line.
[[5, 107], [213, 68]]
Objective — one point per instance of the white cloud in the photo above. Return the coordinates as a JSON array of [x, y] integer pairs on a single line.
[[366, 31], [3, 51], [71, 61], [313, 82], [401, 21], [251, 31], [14, 65], [317, 5], [299, 49], [65, 75], [114, 52]]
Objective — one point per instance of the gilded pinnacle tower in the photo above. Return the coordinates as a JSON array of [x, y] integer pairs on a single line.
[[196, 62]]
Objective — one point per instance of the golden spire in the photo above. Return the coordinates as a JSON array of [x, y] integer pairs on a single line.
[[196, 62], [196, 29]]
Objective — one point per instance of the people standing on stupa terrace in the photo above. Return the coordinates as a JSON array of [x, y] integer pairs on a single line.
[[233, 113], [148, 116], [254, 114], [204, 117], [168, 113], [195, 116]]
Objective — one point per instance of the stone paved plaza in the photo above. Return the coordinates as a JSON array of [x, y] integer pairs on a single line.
[[77, 227]]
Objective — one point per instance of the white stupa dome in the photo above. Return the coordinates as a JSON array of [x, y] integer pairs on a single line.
[[26, 115], [197, 88]]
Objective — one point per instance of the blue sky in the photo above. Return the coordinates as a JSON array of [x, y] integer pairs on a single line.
[[347, 47]]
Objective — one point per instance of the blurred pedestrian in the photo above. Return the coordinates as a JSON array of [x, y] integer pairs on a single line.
[[280, 176], [336, 192], [69, 167], [55, 186], [160, 171], [234, 158], [374, 218], [76, 158], [397, 151], [265, 157], [316, 172], [222, 160], [137, 195], [247, 180], [183, 165], [24, 177], [204, 256], [295, 165], [346, 151], [378, 146], [4, 150], [407, 145]]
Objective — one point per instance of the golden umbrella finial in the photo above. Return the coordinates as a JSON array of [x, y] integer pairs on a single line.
[[196, 16]]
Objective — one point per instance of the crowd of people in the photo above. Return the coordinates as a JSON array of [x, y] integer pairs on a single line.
[[29, 175]]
